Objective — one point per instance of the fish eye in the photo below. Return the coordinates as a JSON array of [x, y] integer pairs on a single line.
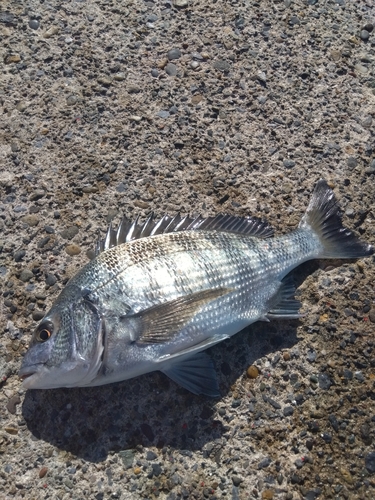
[[44, 332]]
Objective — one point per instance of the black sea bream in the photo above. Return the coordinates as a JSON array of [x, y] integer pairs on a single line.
[[159, 294]]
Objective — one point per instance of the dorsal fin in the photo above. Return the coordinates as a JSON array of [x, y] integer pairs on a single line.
[[128, 231]]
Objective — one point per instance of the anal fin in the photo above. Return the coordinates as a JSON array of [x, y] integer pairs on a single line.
[[196, 374], [284, 305]]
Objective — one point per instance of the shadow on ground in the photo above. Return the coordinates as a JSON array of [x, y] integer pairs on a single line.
[[149, 410]]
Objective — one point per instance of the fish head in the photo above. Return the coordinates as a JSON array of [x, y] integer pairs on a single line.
[[66, 347]]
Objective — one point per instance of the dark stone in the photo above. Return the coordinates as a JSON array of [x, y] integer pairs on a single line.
[[19, 255], [50, 279], [288, 411], [264, 463], [370, 462], [352, 162], [151, 455], [222, 65], [156, 469], [324, 381]]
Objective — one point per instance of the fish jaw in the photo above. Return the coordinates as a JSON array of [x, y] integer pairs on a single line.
[[68, 374]]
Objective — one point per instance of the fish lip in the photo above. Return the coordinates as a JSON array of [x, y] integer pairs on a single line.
[[28, 375]]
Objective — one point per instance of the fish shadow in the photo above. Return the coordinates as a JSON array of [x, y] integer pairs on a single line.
[[150, 410]]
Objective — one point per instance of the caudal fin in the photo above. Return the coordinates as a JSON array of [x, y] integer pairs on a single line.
[[322, 216]]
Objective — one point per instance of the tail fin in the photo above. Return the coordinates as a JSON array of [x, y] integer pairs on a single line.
[[322, 216]]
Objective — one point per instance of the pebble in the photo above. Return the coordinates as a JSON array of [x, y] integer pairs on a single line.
[[194, 65], [364, 35], [352, 162], [12, 59], [26, 275], [38, 315], [37, 195], [264, 463], [19, 255], [69, 233], [289, 163], [11, 430], [221, 65], [43, 471], [174, 54], [236, 480], [31, 219], [370, 462], [162, 114], [252, 372], [71, 100], [171, 69], [288, 411], [267, 494], [367, 121], [180, 3], [154, 72], [34, 24], [151, 455], [73, 249], [50, 279], [127, 457], [12, 404], [324, 381]]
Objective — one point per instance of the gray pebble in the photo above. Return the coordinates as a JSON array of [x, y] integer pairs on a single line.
[[299, 463], [71, 100], [38, 315], [368, 27], [156, 469], [236, 480], [151, 455], [174, 54], [288, 411], [50, 279], [36, 195], [181, 3], [370, 462], [194, 65], [162, 114], [359, 376], [171, 69], [364, 35], [351, 162], [289, 163], [264, 463], [34, 24], [154, 72], [367, 121], [294, 20], [222, 65], [324, 381], [127, 457], [19, 255], [26, 275], [311, 356], [69, 233]]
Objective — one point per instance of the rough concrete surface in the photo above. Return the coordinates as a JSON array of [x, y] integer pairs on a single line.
[[112, 108]]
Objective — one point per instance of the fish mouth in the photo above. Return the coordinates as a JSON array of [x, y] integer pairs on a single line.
[[28, 377]]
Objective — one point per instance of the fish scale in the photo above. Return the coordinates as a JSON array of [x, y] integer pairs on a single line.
[[159, 294]]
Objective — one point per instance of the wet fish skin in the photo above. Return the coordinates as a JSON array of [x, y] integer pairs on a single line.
[[182, 285]]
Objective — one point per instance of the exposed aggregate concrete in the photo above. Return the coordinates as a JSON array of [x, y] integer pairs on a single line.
[[113, 108]]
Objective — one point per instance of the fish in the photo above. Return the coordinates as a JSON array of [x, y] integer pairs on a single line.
[[159, 293]]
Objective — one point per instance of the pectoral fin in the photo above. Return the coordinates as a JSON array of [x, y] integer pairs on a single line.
[[162, 322], [196, 374]]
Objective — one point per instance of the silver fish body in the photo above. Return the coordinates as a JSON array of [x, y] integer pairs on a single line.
[[180, 286]]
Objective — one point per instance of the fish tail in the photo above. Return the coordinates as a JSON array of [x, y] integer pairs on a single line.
[[322, 216]]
